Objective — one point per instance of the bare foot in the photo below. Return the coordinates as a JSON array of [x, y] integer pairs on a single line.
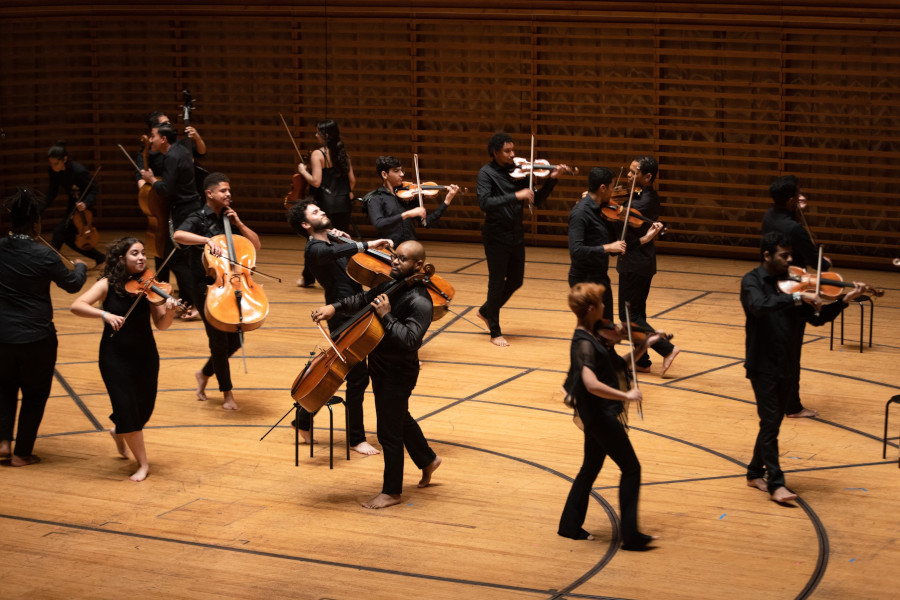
[[483, 318], [141, 474], [304, 434], [805, 413], [364, 448], [120, 443], [18, 461], [202, 380], [5, 448], [303, 283], [782, 495], [428, 471], [229, 403], [758, 483], [499, 341], [642, 369], [668, 360], [382, 501]]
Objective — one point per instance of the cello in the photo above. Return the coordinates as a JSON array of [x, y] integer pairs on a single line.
[[154, 206], [234, 302], [353, 342]]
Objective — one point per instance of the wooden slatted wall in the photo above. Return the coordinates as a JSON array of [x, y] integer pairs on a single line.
[[727, 96]]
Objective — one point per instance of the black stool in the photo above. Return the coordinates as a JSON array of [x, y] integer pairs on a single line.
[[886, 407], [334, 400], [862, 319]]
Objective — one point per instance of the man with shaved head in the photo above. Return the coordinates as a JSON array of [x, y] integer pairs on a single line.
[[405, 309]]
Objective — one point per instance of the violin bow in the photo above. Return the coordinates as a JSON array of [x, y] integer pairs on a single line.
[[640, 408], [802, 216], [418, 183], [131, 160], [288, 129], [58, 253], [253, 270], [531, 177], [628, 209], [138, 298], [328, 337]]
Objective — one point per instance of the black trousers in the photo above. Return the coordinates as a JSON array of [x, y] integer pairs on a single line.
[[602, 279], [506, 272], [180, 266], [773, 394], [357, 382], [27, 367], [222, 344], [634, 289], [397, 429], [604, 436], [64, 233]]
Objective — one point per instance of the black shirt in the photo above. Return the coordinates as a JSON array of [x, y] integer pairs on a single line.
[[397, 355], [157, 159], [587, 351], [329, 265], [385, 211], [803, 251], [588, 232], [177, 182], [207, 223], [497, 198], [774, 326], [643, 259], [74, 175], [26, 270]]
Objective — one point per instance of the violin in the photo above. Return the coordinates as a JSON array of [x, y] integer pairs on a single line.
[[831, 284], [541, 168], [429, 188], [351, 343], [616, 213], [299, 184], [373, 267], [157, 292], [234, 302]]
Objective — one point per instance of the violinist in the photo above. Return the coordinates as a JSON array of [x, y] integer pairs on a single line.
[[331, 180], [393, 217], [394, 368], [597, 387], [75, 180], [28, 340], [593, 237], [775, 325], [787, 203], [329, 265], [636, 269], [129, 361], [177, 186], [197, 230], [503, 200]]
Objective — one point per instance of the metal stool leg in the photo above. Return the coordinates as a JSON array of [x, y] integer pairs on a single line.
[[885, 438], [330, 437], [347, 428], [862, 321]]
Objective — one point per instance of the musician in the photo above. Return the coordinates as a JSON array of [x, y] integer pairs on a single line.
[[503, 200], [129, 360], [27, 337], [198, 229], [328, 263], [597, 387], [783, 216], [394, 368], [73, 179], [331, 179], [393, 217], [775, 325], [636, 269], [178, 187], [592, 237]]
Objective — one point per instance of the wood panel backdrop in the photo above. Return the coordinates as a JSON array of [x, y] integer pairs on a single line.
[[727, 96]]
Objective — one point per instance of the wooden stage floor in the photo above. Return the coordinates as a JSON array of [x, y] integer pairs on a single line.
[[225, 515]]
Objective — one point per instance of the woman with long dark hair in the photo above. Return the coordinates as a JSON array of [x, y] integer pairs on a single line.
[[129, 361], [331, 179], [597, 387]]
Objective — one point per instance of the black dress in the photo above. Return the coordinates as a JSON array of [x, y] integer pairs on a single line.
[[129, 364]]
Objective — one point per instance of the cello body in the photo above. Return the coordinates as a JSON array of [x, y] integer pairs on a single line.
[[234, 302], [155, 208], [87, 235]]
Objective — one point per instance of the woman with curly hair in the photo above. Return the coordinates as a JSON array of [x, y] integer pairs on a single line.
[[129, 361]]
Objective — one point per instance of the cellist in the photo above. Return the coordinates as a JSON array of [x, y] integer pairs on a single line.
[[783, 216], [328, 263], [394, 369], [197, 230]]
